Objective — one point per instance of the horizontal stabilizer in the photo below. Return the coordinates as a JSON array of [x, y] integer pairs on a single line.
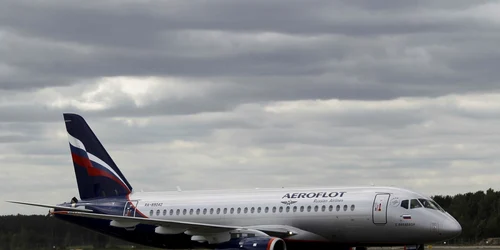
[[51, 206]]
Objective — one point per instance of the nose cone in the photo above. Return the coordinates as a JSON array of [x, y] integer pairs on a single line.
[[450, 228]]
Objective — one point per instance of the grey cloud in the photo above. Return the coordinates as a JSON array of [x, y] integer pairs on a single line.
[[14, 138], [394, 5], [118, 24], [340, 65], [137, 24], [29, 113]]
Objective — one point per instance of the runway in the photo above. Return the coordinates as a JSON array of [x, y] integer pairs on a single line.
[[440, 247]]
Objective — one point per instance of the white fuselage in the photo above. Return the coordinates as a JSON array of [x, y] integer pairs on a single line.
[[368, 215]]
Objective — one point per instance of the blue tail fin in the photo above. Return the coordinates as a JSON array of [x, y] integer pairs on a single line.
[[96, 173]]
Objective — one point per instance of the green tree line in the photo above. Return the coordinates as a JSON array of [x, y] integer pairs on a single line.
[[20, 232], [478, 213]]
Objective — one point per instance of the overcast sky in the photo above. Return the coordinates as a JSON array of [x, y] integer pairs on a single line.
[[243, 94]]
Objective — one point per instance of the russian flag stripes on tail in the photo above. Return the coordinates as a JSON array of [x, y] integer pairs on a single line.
[[96, 173]]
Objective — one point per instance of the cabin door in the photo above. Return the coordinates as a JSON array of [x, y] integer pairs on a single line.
[[130, 208], [379, 210]]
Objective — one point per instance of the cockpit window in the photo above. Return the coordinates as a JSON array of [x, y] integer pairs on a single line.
[[404, 204], [414, 203], [427, 204], [437, 205], [430, 204]]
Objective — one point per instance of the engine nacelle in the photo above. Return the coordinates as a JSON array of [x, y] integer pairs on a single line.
[[253, 243]]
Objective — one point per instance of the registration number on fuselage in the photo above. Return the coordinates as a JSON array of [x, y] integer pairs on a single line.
[[153, 204]]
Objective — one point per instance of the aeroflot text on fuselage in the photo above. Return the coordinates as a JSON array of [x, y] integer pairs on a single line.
[[314, 195]]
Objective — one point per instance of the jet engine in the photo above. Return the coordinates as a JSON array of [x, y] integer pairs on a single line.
[[253, 243]]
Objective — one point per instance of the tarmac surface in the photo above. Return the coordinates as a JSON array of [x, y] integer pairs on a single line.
[[464, 247], [440, 247]]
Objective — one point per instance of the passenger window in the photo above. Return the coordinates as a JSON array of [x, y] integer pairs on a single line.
[[252, 210], [191, 211], [184, 212], [232, 210], [164, 212], [301, 208], [218, 210], [287, 209], [295, 209], [330, 208], [239, 210], [246, 210], [323, 208], [225, 210], [281, 209], [316, 208], [171, 212], [158, 212], [415, 204], [178, 212], [404, 203], [151, 213], [211, 211], [274, 209], [198, 211], [267, 210], [345, 207], [204, 211], [308, 208], [338, 208], [259, 210], [352, 207]]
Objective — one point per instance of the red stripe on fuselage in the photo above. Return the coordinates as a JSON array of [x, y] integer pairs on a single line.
[[92, 171]]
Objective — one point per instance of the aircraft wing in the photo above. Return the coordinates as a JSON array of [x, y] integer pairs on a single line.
[[192, 228], [51, 206], [148, 221], [169, 225]]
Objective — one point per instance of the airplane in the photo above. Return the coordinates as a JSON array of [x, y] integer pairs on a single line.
[[259, 219]]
